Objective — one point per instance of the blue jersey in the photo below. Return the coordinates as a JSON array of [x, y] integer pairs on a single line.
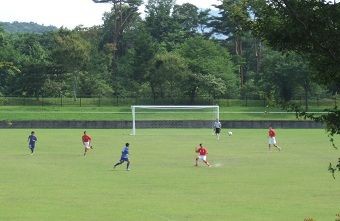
[[32, 139], [125, 153]]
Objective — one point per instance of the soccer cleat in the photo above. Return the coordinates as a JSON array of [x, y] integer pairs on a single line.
[[128, 169], [91, 147]]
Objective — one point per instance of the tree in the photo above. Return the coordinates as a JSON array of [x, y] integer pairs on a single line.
[[308, 27], [166, 74], [187, 16], [158, 18], [72, 53], [123, 15], [312, 29], [204, 20], [7, 66], [283, 74], [144, 50], [209, 64], [95, 78], [27, 53], [233, 22], [192, 20], [7, 71]]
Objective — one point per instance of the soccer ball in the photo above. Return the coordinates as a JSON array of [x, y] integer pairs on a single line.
[[230, 133]]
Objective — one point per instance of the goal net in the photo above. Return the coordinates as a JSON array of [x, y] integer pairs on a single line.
[[160, 116]]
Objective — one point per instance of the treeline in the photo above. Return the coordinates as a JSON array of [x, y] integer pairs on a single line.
[[174, 51], [26, 27]]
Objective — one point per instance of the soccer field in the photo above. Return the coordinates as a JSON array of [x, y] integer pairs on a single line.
[[246, 182]]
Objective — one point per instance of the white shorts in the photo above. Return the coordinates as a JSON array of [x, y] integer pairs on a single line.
[[87, 145], [272, 140], [201, 157]]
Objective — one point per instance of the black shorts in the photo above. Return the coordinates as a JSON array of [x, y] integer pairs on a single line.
[[217, 130]]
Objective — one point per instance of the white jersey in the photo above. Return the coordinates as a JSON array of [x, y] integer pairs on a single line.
[[217, 124]]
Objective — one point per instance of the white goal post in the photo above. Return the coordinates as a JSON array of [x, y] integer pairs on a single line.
[[214, 108]]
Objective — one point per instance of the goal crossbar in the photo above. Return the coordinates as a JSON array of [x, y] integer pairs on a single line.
[[169, 107]]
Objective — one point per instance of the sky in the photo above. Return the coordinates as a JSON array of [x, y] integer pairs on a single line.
[[66, 13]]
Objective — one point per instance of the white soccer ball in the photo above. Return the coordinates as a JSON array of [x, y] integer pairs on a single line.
[[230, 133]]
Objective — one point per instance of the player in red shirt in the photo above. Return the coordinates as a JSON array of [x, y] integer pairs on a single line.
[[86, 139], [202, 155], [272, 139]]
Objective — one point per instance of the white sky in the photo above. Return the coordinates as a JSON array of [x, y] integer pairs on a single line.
[[67, 13]]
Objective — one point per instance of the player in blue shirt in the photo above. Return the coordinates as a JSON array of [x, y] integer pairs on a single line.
[[32, 139], [124, 157]]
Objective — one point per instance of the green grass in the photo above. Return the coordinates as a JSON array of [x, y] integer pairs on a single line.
[[251, 183], [11, 113]]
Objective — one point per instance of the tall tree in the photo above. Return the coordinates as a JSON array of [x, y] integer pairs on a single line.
[[187, 16], [116, 23], [158, 19], [233, 22], [191, 19], [72, 53], [96, 77]]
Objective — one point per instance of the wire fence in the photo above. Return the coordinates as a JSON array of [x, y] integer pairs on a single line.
[[99, 101]]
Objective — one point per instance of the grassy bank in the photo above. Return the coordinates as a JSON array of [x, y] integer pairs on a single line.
[[12, 113]]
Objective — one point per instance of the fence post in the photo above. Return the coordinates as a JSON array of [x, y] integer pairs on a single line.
[[61, 100]]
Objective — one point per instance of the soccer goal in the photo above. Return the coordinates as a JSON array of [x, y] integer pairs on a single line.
[[173, 116]]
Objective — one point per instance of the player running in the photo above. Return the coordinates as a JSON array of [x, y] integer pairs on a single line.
[[124, 157], [32, 139], [202, 155], [272, 139], [86, 139]]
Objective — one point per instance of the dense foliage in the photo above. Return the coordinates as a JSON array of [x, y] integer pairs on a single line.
[[175, 53], [310, 28]]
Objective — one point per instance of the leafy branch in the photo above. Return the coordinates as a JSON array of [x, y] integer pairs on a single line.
[[332, 169], [329, 117]]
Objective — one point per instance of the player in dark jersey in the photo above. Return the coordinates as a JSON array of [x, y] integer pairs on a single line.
[[124, 157], [32, 139]]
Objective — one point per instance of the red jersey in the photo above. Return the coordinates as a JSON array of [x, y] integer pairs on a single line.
[[202, 151], [86, 138], [271, 133]]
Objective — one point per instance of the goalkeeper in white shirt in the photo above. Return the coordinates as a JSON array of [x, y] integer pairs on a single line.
[[217, 128]]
